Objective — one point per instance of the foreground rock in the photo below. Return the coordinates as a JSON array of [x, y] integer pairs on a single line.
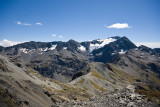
[[124, 98]]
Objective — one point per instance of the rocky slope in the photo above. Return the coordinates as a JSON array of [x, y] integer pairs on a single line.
[[91, 73], [63, 61], [124, 98]]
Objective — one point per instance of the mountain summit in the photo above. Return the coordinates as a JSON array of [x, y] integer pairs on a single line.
[[69, 73], [62, 60]]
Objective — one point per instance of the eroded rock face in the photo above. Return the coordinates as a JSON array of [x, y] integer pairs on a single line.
[[62, 69]]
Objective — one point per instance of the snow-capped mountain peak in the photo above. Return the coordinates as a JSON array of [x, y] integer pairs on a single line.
[[101, 43]]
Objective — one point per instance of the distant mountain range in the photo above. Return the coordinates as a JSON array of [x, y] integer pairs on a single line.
[[66, 71]]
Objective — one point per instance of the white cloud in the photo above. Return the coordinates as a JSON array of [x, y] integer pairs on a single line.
[[119, 26], [6, 43], [25, 24], [38, 23], [60, 36], [18, 22], [54, 35], [149, 44]]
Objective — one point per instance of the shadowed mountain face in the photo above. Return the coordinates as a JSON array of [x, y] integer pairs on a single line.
[[108, 52], [66, 71], [63, 60]]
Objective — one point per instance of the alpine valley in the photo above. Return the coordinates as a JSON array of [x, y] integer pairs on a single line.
[[113, 72]]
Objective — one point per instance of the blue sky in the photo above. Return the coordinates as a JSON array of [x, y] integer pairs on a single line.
[[81, 20]]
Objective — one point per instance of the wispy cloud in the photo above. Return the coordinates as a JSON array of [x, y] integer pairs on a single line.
[[19, 23], [149, 44], [6, 43], [38, 23], [119, 26], [23, 23], [60, 36], [28, 24], [54, 35]]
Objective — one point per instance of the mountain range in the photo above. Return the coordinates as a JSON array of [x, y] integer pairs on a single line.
[[113, 72]]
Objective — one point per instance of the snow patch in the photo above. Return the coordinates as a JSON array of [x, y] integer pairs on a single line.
[[122, 51], [113, 53], [103, 42], [41, 49], [99, 54], [82, 48], [64, 47], [46, 49], [24, 50], [53, 47]]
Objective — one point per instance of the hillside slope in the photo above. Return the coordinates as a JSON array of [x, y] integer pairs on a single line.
[[69, 73]]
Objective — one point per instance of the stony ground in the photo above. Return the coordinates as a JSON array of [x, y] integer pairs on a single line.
[[124, 98]]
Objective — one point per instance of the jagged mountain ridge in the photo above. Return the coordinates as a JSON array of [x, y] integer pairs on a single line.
[[64, 61], [82, 72], [60, 60]]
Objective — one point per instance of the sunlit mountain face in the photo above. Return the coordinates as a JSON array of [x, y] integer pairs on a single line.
[[79, 53], [70, 73]]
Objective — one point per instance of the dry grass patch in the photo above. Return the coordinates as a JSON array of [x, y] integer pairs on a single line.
[[96, 86], [122, 75], [96, 74], [72, 93]]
